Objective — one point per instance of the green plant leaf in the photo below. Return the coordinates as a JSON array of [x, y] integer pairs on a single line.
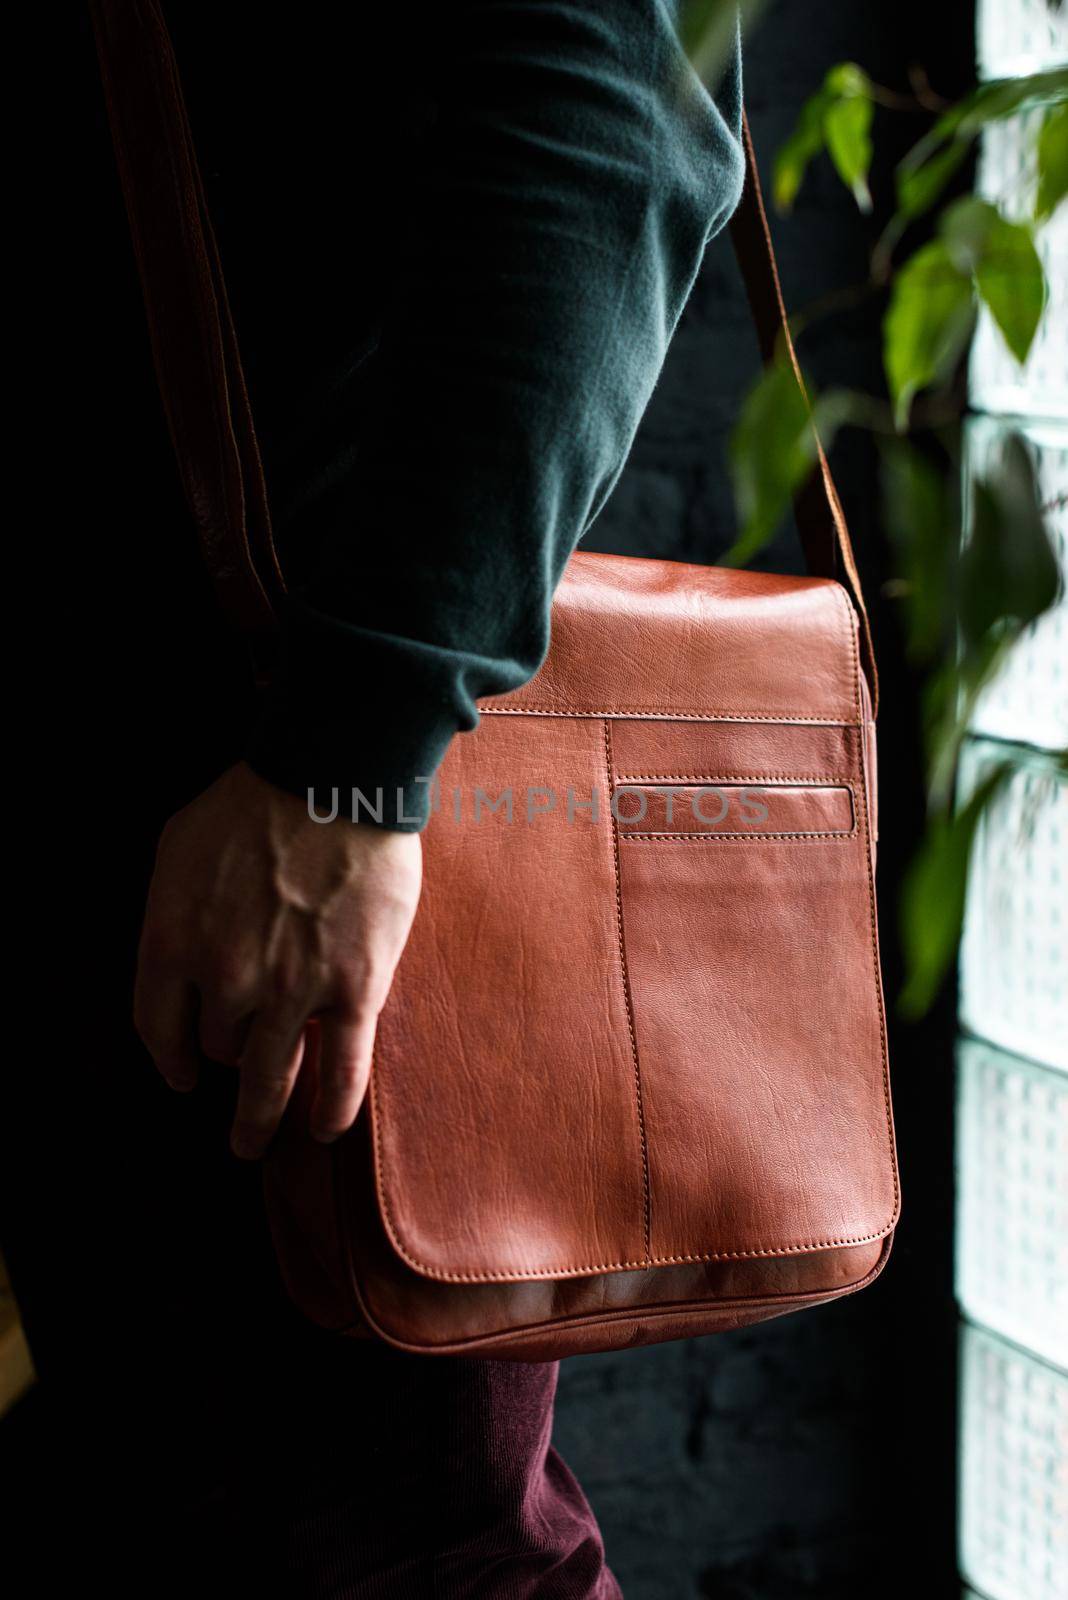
[[949, 699], [927, 324], [792, 159], [1052, 162], [847, 78], [918, 188], [934, 894], [1003, 261], [923, 173], [772, 450], [1006, 576], [1004, 97], [921, 512], [847, 129], [992, 101], [837, 118], [1009, 574]]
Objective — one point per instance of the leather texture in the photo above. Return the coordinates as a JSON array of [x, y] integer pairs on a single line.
[[631, 1081]]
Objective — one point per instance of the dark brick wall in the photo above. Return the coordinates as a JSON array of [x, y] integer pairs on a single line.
[[813, 1455]]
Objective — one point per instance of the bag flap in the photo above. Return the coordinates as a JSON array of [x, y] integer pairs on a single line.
[[662, 638], [607, 1048]]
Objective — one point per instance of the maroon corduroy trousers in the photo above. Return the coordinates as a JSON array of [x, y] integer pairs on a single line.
[[209, 1439], [365, 1473]]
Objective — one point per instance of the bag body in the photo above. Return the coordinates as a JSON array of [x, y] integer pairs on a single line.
[[631, 1080]]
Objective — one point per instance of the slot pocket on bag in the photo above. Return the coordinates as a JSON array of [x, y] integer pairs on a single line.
[[733, 811]]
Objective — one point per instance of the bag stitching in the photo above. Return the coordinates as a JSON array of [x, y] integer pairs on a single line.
[[749, 838], [744, 838], [660, 713], [628, 1003], [864, 722], [828, 779], [872, 915], [655, 1312], [547, 1273]]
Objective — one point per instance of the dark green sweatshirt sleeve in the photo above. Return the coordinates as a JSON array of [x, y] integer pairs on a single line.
[[564, 197]]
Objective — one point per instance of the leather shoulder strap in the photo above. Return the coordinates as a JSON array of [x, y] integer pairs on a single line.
[[194, 342], [821, 521]]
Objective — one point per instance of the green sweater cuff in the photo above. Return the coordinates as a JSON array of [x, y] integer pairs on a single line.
[[357, 723]]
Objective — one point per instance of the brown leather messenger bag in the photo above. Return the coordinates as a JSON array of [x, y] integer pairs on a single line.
[[631, 1082]]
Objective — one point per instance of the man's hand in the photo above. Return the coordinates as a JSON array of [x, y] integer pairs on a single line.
[[259, 918]]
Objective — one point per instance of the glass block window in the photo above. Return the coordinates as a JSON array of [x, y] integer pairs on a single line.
[[1012, 1198], [1016, 36], [1014, 956], [1012, 1072], [1028, 702], [1013, 1471]]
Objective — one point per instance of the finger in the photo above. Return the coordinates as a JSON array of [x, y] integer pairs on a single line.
[[165, 1012], [344, 1069], [223, 1030], [268, 1069]]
